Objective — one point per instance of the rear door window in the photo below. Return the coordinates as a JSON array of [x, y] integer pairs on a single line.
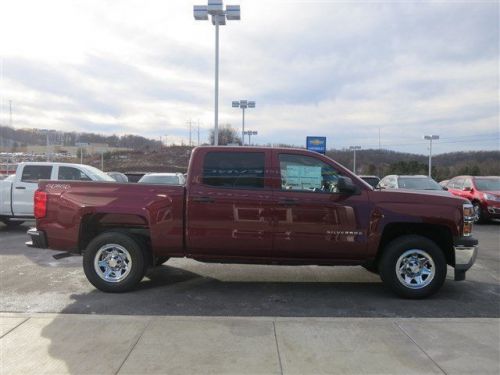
[[33, 173], [243, 170], [305, 173]]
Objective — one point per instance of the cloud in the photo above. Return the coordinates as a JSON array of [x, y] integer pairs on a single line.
[[340, 69]]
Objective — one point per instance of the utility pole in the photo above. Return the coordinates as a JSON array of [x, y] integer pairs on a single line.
[[198, 132], [102, 160], [10, 109], [379, 139], [190, 123]]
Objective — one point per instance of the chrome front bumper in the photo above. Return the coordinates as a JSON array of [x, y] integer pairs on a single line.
[[465, 256]]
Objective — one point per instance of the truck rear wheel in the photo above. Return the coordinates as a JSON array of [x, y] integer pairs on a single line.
[[413, 266], [114, 262]]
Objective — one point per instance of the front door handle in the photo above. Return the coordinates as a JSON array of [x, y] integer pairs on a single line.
[[203, 200], [288, 202], [21, 187]]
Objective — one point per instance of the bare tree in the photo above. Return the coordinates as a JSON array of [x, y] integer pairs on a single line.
[[227, 135]]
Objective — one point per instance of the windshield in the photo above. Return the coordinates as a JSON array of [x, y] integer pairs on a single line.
[[418, 183], [168, 180], [96, 174], [488, 184]]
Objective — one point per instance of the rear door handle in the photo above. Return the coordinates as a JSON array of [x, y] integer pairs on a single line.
[[20, 187], [288, 202], [203, 200]]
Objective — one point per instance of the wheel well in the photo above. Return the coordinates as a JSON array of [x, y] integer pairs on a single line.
[[135, 226], [440, 234]]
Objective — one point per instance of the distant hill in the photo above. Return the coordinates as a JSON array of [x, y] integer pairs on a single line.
[[10, 137], [150, 155], [383, 162]]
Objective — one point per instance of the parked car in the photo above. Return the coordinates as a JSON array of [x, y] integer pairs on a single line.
[[118, 176], [262, 206], [17, 191], [482, 191], [134, 176], [412, 182], [163, 178], [371, 180]]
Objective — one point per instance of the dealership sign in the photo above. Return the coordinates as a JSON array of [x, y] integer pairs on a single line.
[[317, 144]]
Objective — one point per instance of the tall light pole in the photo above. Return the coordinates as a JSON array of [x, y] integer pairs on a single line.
[[46, 132], [430, 138], [243, 104], [250, 133], [215, 9], [354, 148]]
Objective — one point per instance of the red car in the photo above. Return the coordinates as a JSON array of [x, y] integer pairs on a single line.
[[482, 191]]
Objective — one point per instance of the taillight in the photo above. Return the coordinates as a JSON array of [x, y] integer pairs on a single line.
[[40, 204]]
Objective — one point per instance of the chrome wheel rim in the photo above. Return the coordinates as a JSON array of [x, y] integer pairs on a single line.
[[112, 263], [415, 269]]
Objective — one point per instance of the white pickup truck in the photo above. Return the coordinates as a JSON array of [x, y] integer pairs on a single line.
[[17, 191]]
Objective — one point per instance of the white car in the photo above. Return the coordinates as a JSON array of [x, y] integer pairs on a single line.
[[17, 191], [163, 179]]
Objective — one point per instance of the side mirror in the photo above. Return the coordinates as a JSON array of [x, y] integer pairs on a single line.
[[467, 188], [345, 185], [445, 188]]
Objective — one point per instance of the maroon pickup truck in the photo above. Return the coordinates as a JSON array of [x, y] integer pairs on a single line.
[[260, 206]]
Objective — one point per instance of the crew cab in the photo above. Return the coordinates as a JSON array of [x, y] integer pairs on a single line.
[[16, 192], [261, 206]]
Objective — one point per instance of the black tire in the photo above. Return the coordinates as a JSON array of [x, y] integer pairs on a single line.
[[12, 223], [479, 214], [160, 260], [137, 262], [410, 244]]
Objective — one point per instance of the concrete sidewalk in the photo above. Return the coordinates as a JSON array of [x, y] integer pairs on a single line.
[[110, 344]]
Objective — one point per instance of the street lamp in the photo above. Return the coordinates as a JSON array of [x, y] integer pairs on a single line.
[[46, 132], [430, 138], [243, 104], [250, 133], [215, 9], [354, 148]]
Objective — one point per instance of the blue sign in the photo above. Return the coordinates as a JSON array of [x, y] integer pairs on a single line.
[[317, 144]]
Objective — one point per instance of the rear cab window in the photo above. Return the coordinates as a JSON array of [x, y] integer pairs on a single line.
[[237, 170], [72, 174], [33, 173]]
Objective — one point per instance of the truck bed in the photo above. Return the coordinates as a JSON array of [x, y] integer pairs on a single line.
[[77, 209]]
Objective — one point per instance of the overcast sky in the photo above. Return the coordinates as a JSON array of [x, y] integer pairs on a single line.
[[339, 69]]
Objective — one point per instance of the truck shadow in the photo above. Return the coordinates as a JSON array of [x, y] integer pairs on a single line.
[[174, 291]]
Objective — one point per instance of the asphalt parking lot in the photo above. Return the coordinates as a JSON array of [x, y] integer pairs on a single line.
[[33, 282]]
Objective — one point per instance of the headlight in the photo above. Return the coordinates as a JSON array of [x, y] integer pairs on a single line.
[[491, 197], [468, 211]]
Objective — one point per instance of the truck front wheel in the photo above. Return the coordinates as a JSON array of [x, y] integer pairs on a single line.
[[114, 262], [413, 266]]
